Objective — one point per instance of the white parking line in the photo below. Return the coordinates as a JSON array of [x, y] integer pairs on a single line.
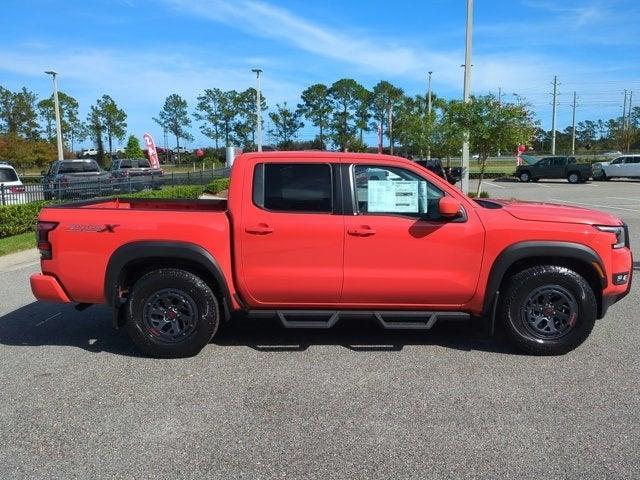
[[491, 184], [595, 205], [626, 198]]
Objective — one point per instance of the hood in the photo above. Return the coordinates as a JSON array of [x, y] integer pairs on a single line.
[[552, 212], [600, 164]]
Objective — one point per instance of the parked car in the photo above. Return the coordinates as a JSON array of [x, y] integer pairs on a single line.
[[553, 167], [181, 150], [91, 152], [451, 174], [135, 173], [625, 166], [75, 179], [301, 241], [11, 188]]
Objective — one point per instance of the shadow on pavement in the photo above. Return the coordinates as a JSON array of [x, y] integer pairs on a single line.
[[40, 324]]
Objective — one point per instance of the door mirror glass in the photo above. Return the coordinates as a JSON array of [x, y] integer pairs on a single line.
[[449, 207]]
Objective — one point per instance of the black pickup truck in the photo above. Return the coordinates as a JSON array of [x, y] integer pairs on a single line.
[[553, 167], [450, 174]]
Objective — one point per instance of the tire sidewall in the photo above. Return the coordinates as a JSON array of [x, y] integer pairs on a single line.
[[525, 177], [573, 175], [567, 279], [204, 299]]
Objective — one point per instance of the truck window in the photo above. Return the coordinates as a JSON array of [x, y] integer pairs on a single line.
[[125, 163], [8, 175], [559, 162], [143, 163], [287, 187], [394, 190], [571, 160], [78, 167]]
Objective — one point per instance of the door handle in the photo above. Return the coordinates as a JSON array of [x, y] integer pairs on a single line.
[[364, 231], [262, 229]]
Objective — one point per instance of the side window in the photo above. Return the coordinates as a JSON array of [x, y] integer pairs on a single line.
[[393, 190], [633, 160], [545, 162], [293, 187], [571, 161], [125, 163], [618, 161], [559, 162]]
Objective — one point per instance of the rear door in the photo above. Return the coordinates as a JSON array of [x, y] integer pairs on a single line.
[[290, 236], [633, 166], [557, 167], [398, 250]]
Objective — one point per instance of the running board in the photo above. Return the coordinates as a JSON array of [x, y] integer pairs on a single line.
[[389, 320]]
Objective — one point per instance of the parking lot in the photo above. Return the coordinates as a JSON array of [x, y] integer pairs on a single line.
[[77, 401]]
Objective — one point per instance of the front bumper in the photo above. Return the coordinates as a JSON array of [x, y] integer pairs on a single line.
[[48, 289], [622, 261]]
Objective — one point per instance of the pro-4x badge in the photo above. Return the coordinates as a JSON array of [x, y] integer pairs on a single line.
[[107, 227]]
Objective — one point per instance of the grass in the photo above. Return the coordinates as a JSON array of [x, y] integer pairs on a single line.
[[17, 243]]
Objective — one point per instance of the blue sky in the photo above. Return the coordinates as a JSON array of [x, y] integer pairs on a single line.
[[139, 51]]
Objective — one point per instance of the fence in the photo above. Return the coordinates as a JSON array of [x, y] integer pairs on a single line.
[[68, 188]]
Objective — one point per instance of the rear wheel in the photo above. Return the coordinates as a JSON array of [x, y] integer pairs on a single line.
[[548, 310], [171, 313], [573, 177]]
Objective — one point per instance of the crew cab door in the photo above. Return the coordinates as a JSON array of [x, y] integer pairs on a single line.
[[399, 250], [557, 167], [289, 238]]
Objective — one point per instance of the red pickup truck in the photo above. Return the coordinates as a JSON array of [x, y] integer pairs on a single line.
[[310, 237]]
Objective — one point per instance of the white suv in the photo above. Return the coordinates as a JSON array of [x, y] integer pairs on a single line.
[[11, 188], [624, 166]]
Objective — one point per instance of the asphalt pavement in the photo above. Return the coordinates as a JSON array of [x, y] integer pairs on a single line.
[[77, 401]]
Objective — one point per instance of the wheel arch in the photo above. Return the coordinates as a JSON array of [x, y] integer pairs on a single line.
[[132, 260], [519, 256]]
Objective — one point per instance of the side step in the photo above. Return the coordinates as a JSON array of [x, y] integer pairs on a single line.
[[390, 320]]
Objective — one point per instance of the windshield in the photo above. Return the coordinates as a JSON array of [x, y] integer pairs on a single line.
[[78, 167], [528, 159], [8, 175]]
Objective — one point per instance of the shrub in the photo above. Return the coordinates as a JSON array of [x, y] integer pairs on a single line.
[[483, 194], [17, 219], [217, 185], [179, 191]]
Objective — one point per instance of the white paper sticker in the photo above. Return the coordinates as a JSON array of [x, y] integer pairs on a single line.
[[392, 196]]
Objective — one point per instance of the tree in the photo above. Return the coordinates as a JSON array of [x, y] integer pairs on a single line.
[[18, 114], [492, 126], [316, 107], [363, 110], [286, 123], [386, 100], [133, 150], [95, 131], [209, 110], [175, 118], [68, 117], [113, 121], [343, 95]]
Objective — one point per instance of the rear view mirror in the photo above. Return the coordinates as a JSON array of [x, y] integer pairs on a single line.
[[449, 207]]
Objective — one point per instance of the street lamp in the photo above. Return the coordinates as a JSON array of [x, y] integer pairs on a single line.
[[466, 93], [257, 71], [429, 114], [57, 109]]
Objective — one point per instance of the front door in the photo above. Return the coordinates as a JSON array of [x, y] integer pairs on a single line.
[[399, 251], [290, 237]]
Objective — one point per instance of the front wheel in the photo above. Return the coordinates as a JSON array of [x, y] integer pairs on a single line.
[[171, 313], [524, 177], [548, 310]]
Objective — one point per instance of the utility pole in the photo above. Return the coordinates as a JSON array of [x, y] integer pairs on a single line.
[[57, 109], [499, 106], [390, 112], [573, 126], [553, 115], [466, 93], [257, 71], [429, 114], [624, 112], [629, 121]]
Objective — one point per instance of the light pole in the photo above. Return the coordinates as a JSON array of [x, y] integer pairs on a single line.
[[429, 114], [257, 71], [466, 93], [57, 109]]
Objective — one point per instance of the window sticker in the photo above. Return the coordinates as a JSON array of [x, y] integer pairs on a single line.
[[390, 196]]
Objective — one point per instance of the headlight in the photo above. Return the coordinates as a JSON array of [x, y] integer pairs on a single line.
[[619, 232]]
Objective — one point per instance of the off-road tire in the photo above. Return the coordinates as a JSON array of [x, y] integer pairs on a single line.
[[517, 290], [197, 293]]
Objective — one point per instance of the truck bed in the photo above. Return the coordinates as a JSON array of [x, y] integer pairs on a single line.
[[147, 204]]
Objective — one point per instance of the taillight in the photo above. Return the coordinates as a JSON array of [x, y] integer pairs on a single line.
[[42, 238], [17, 189]]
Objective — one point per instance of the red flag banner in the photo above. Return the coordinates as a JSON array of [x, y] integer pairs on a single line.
[[151, 147]]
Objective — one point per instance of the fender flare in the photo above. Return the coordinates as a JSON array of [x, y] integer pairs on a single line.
[[522, 250], [133, 251]]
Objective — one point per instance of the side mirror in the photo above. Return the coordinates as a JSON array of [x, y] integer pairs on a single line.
[[43, 173], [449, 207]]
